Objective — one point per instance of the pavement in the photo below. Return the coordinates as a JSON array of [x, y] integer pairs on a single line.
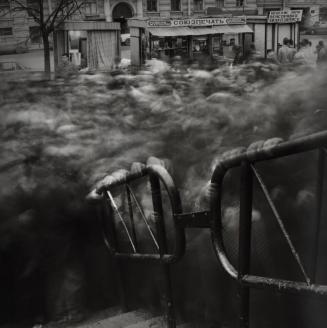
[[33, 60]]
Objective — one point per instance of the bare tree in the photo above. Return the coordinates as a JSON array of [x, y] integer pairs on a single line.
[[48, 14]]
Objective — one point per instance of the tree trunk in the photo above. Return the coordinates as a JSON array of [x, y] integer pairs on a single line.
[[46, 45]]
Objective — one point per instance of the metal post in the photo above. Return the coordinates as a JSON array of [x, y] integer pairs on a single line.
[[244, 253], [160, 226], [108, 213], [131, 215], [319, 195]]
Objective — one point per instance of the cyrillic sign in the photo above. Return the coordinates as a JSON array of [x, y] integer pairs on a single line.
[[197, 21], [286, 16]]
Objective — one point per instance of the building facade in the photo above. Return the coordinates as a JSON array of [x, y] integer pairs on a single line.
[[18, 27]]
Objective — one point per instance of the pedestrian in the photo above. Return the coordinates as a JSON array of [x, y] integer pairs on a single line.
[[237, 55], [65, 68], [293, 49], [285, 55], [321, 53], [252, 54], [272, 57], [305, 56]]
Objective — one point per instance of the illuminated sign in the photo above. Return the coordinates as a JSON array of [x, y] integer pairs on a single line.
[[286, 16], [197, 21]]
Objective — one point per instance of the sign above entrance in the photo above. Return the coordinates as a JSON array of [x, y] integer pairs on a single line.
[[197, 22], [286, 16]]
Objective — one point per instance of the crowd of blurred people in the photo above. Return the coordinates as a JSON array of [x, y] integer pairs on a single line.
[[286, 54]]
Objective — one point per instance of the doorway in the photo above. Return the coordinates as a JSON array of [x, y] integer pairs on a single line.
[[121, 12]]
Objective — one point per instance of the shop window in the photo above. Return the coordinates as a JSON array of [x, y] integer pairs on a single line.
[[90, 7], [198, 5], [151, 5], [175, 5], [6, 31], [35, 34], [4, 9], [220, 3], [32, 5]]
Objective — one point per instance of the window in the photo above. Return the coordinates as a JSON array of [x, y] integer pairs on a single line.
[[91, 7], [240, 3], [151, 5], [4, 9], [35, 34], [323, 14], [175, 5], [34, 6], [6, 31], [220, 4], [198, 5]]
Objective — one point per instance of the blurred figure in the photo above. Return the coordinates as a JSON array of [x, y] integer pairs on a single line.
[[237, 55], [65, 68], [272, 56], [285, 54], [321, 53], [292, 47], [305, 56], [252, 55]]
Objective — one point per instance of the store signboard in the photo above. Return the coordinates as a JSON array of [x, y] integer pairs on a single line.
[[197, 22], [285, 16]]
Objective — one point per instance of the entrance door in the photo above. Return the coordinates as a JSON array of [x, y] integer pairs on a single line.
[[120, 14]]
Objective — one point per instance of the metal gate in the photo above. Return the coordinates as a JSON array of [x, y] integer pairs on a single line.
[[246, 160]]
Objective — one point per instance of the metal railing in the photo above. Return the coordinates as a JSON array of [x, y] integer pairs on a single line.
[[246, 160], [212, 219]]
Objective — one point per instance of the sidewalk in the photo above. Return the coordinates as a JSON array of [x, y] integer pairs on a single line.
[[33, 59]]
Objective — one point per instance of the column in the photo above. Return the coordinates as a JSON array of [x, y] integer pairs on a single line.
[[135, 46], [139, 8], [107, 10]]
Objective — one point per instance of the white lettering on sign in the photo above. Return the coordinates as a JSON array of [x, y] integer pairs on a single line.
[[197, 22], [286, 16]]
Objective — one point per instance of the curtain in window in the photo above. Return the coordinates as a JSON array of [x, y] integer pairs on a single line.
[[102, 49]]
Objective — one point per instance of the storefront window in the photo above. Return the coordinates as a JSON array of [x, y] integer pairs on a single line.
[[168, 47], [200, 45], [175, 5], [151, 5]]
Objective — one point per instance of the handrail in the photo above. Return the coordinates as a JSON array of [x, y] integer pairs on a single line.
[[245, 159], [160, 173]]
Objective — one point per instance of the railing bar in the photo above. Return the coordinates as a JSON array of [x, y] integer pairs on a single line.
[[121, 219], [281, 224], [131, 216], [319, 192], [143, 217]]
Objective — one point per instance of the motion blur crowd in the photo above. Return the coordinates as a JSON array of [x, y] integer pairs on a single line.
[[286, 54]]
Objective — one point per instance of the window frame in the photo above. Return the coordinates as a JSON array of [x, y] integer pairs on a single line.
[[91, 2], [177, 8], [153, 2], [6, 34], [200, 8], [5, 5]]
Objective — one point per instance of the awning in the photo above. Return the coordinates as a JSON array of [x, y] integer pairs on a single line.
[[170, 31], [183, 31]]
